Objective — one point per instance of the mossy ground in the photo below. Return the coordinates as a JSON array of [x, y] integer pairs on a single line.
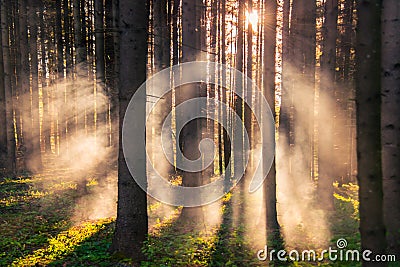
[[37, 230]]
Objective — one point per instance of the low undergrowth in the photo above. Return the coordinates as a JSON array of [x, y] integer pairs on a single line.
[[37, 230]]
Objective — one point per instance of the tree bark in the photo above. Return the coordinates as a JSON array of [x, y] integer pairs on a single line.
[[101, 110], [192, 14], [27, 148], [5, 42], [304, 33], [79, 41], [247, 116], [33, 51], [60, 73], [368, 103], [131, 225], [80, 59], [286, 100], [270, 21], [162, 44], [238, 102], [3, 110], [46, 121], [391, 122], [326, 105]]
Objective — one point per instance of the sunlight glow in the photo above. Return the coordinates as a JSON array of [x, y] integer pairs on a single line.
[[253, 19]]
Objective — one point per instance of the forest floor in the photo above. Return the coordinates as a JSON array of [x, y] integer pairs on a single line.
[[39, 226]]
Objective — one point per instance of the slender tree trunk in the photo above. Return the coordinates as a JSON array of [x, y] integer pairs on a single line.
[[30, 163], [162, 41], [227, 145], [60, 73], [269, 92], [347, 44], [176, 57], [249, 71], [87, 12], [109, 63], [14, 21], [59, 39], [304, 31], [5, 42], [101, 109], [79, 41], [80, 60], [286, 101], [131, 226], [69, 90], [326, 105], [33, 51], [192, 14], [114, 108], [67, 36], [391, 122], [3, 110], [46, 122], [238, 151], [368, 102], [212, 89]]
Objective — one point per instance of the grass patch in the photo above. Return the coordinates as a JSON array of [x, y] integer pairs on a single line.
[[63, 247]]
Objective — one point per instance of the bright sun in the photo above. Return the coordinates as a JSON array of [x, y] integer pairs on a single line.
[[253, 19]]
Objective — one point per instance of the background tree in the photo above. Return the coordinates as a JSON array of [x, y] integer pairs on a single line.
[[9, 108], [273, 228], [34, 72], [3, 110], [326, 96], [192, 40]]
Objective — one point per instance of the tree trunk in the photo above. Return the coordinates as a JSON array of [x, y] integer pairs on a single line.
[[30, 163], [33, 51], [60, 72], [59, 39], [347, 43], [5, 42], [303, 23], [391, 122], [286, 101], [131, 225], [269, 93], [87, 12], [46, 121], [162, 41], [368, 103], [68, 42], [238, 151], [101, 110], [79, 41], [67, 36], [247, 116], [114, 109], [80, 58], [3, 110], [192, 14], [15, 56], [326, 105], [225, 137]]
